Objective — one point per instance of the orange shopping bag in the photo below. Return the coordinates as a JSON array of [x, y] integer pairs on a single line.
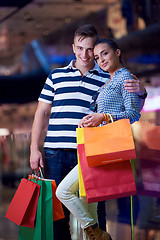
[[57, 205], [109, 143]]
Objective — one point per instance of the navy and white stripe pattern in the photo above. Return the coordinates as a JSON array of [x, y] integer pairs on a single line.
[[114, 99], [70, 95]]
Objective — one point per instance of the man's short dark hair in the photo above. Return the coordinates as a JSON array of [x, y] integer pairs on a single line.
[[87, 30]]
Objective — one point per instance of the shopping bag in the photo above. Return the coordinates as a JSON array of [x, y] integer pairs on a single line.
[[147, 140], [80, 140], [43, 229], [147, 164], [82, 192], [108, 143], [148, 177], [23, 207], [58, 212], [109, 181]]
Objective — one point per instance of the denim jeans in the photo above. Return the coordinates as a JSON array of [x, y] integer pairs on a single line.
[[85, 213], [57, 164]]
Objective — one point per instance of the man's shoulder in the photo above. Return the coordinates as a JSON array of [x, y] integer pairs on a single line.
[[101, 75], [63, 72], [61, 69]]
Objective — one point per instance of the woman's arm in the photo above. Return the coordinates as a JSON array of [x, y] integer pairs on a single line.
[[130, 102]]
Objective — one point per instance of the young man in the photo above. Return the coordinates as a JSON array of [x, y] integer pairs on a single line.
[[64, 100]]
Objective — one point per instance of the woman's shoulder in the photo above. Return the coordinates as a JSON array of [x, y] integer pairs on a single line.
[[124, 74]]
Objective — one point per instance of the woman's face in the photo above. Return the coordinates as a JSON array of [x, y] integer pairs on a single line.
[[107, 58]]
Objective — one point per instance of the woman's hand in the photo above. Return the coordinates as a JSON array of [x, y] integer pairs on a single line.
[[91, 120]]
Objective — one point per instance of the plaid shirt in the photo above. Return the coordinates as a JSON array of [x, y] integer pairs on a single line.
[[114, 99]]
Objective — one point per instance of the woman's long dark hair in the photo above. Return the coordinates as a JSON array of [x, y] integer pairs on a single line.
[[113, 45]]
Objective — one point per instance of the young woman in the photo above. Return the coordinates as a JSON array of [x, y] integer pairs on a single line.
[[112, 98], [113, 101]]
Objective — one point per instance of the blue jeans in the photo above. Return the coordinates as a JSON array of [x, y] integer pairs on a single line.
[[57, 164]]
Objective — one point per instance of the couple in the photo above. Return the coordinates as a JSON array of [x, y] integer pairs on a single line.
[[65, 100], [113, 101]]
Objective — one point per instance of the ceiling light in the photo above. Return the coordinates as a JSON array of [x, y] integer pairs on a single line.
[[68, 19], [26, 16], [46, 32], [38, 25], [4, 132]]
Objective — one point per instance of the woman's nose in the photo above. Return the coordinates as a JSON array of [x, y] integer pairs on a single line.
[[101, 59]]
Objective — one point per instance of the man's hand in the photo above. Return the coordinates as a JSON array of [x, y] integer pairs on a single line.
[[134, 85], [36, 159]]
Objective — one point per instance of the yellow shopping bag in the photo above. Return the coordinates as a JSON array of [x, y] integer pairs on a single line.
[[80, 140]]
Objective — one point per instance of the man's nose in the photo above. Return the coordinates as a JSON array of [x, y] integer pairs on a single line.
[[85, 53]]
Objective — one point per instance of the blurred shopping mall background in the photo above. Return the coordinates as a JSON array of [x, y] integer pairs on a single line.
[[35, 37]]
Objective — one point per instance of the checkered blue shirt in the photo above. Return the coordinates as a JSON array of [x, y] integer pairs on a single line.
[[114, 99]]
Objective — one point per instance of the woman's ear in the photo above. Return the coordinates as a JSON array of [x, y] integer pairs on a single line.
[[118, 52]]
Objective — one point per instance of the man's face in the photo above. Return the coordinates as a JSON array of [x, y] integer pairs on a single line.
[[83, 50]]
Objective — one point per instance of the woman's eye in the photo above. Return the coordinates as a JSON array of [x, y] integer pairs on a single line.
[[105, 53]]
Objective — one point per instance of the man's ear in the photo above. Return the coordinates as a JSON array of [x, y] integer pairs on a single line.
[[73, 47]]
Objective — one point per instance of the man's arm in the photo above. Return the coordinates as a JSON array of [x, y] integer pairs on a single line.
[[40, 123], [134, 85]]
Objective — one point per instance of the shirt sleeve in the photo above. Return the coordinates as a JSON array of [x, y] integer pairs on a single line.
[[47, 93], [130, 101]]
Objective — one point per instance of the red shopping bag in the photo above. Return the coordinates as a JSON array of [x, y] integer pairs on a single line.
[[109, 143], [23, 207], [57, 205], [105, 182]]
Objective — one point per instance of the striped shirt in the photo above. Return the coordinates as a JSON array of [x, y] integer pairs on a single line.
[[70, 95], [114, 99]]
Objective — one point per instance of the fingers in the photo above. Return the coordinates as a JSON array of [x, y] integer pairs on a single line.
[[134, 77], [41, 163], [131, 81], [34, 165], [132, 85]]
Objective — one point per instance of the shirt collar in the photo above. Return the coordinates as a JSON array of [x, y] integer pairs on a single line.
[[95, 69], [71, 65], [120, 70]]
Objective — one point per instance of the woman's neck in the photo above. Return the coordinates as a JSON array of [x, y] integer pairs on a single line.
[[112, 73]]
